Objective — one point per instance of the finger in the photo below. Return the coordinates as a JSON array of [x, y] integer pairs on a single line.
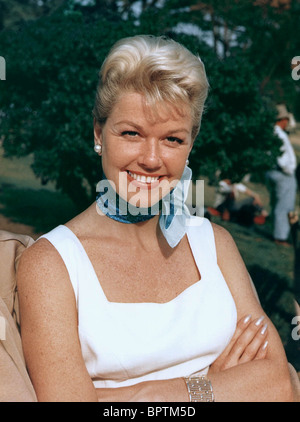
[[243, 336], [226, 360], [243, 342], [255, 345], [242, 324], [262, 352]]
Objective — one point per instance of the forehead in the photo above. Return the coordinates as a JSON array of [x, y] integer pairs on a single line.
[[135, 106]]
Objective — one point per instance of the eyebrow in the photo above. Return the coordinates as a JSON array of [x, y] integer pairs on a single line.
[[135, 125], [129, 123]]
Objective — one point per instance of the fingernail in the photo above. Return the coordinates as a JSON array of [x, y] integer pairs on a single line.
[[264, 329], [248, 317], [259, 321], [265, 345]]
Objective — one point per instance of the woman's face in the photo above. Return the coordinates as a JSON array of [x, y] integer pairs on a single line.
[[144, 153]]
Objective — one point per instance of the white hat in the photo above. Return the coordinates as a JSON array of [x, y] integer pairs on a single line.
[[282, 112]]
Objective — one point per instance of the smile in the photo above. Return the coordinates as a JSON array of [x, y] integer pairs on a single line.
[[143, 179]]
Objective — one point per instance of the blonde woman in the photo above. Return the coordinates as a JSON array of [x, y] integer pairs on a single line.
[[134, 299]]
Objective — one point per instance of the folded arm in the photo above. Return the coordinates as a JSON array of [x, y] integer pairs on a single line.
[[49, 330], [252, 368], [259, 379]]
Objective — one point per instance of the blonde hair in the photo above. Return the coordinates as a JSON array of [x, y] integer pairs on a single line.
[[160, 69]]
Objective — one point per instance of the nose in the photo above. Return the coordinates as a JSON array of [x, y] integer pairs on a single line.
[[149, 157]]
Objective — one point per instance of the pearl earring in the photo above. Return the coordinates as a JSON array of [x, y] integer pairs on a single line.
[[187, 162], [98, 149]]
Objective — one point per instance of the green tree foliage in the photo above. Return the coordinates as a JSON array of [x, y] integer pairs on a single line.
[[263, 33], [15, 12], [236, 135], [47, 100], [52, 71]]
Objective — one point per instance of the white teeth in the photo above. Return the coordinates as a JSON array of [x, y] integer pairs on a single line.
[[143, 179]]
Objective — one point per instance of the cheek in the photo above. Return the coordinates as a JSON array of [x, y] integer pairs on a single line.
[[118, 152], [112, 156], [178, 160], [116, 157]]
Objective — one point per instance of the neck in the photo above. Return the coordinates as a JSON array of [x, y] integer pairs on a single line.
[[145, 234], [171, 212], [118, 209]]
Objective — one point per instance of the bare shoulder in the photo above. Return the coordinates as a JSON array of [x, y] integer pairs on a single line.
[[223, 239], [220, 231], [42, 273], [39, 258], [234, 270], [49, 326], [41, 250]]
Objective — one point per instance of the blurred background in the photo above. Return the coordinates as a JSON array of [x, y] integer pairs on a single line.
[[53, 50]]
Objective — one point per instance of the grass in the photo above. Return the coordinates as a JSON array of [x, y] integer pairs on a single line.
[[23, 200], [270, 267]]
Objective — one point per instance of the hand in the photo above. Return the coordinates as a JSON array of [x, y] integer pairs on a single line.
[[248, 343], [257, 200], [293, 218]]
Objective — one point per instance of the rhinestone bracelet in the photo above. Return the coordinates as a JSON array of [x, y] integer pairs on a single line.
[[200, 389]]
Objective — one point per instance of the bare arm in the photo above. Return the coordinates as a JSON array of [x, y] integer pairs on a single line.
[[247, 370], [257, 380], [248, 343], [53, 354], [255, 196], [50, 337], [49, 327]]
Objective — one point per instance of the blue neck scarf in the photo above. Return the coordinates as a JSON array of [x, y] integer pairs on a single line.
[[172, 209]]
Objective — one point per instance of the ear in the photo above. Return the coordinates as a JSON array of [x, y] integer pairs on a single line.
[[97, 133]]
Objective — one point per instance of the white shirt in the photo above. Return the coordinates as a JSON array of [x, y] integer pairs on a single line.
[[287, 161], [127, 343], [224, 189]]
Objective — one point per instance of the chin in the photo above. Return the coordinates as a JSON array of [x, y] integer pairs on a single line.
[[142, 200]]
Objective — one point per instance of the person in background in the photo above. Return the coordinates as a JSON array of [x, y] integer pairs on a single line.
[[246, 211], [282, 181]]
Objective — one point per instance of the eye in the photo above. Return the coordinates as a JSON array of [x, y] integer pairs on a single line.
[[129, 133], [173, 139]]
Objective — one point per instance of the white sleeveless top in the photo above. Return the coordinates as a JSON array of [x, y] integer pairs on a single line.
[[126, 343]]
